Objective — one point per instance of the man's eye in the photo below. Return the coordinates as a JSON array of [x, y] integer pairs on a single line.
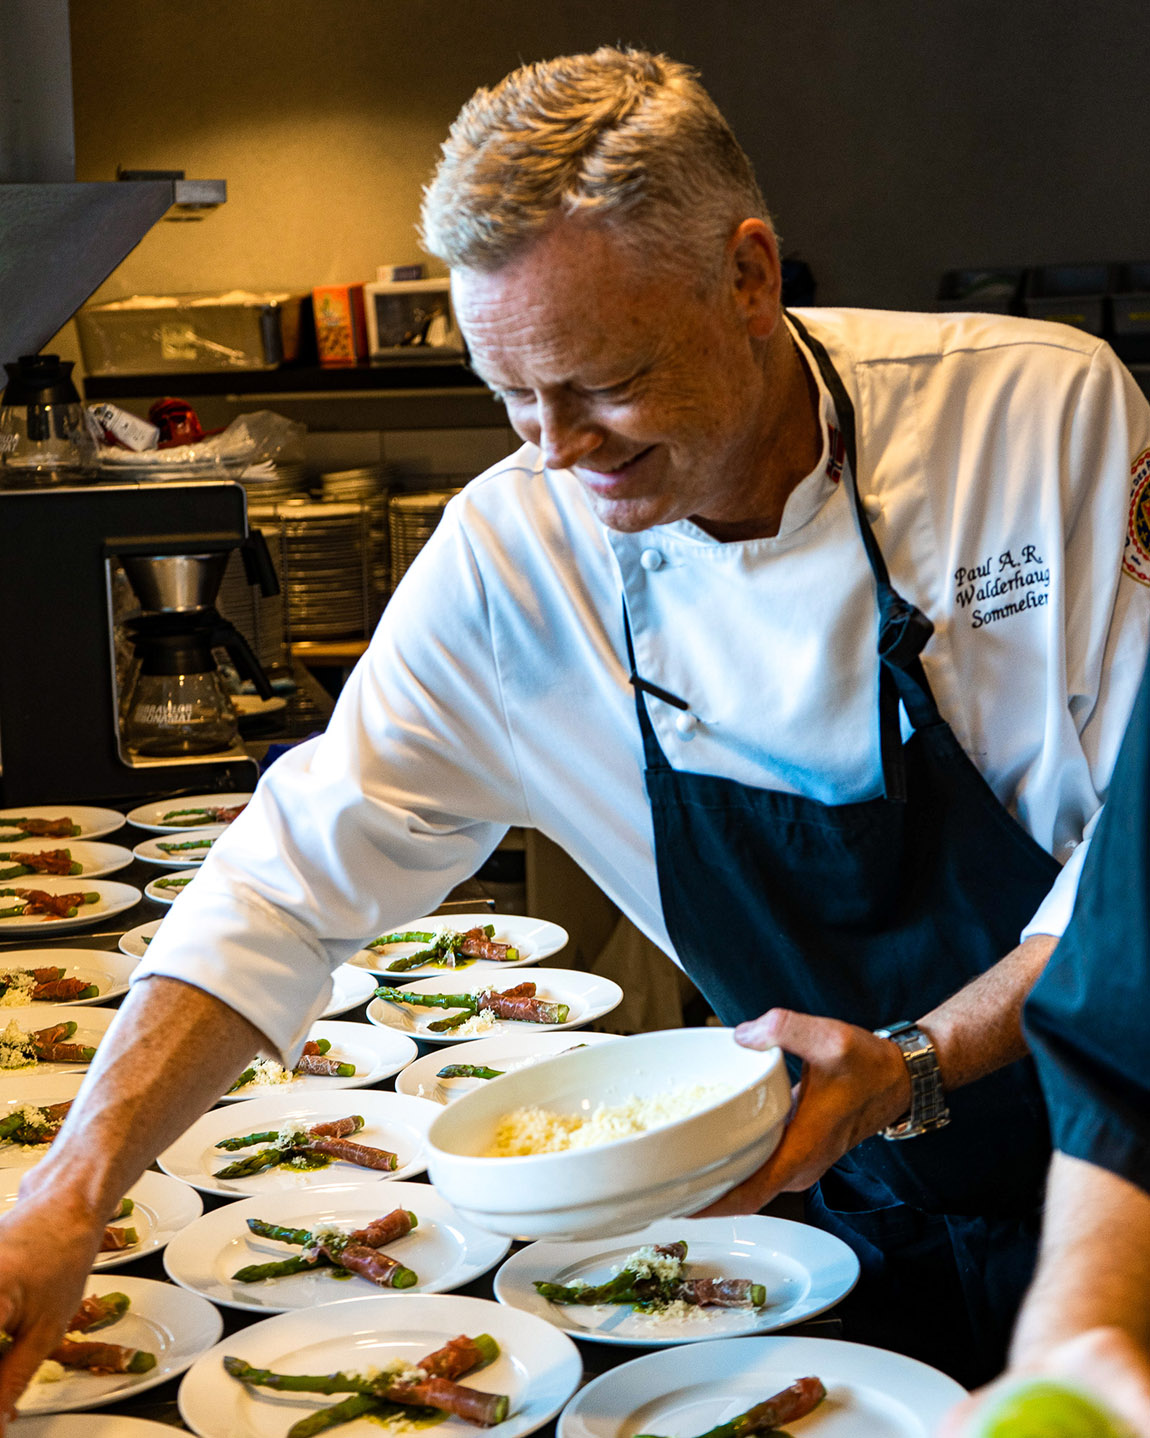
[[513, 396]]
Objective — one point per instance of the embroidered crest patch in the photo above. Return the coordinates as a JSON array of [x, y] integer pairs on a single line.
[[1136, 557]]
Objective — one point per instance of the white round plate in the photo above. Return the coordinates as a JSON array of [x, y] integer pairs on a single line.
[[114, 899], [588, 997], [162, 895], [536, 939], [21, 1086], [152, 851], [150, 817], [538, 1367], [94, 823], [91, 1026], [350, 987], [445, 1250], [95, 860], [164, 1207], [135, 942], [105, 968], [89, 1425], [176, 1326], [687, 1390], [376, 1053], [507, 1052], [803, 1269], [391, 1121]]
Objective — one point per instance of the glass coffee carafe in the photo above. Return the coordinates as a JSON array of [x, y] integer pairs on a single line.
[[43, 437], [174, 701]]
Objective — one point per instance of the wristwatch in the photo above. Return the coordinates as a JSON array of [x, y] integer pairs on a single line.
[[928, 1110]]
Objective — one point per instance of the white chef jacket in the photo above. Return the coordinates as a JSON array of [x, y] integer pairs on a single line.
[[995, 461]]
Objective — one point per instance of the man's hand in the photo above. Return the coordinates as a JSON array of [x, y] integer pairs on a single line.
[[46, 1253], [169, 1054], [853, 1084], [1105, 1363]]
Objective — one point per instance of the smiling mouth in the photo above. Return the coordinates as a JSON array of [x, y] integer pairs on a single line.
[[607, 478]]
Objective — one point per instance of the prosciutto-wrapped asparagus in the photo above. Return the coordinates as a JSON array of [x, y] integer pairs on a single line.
[[519, 1003], [447, 948], [788, 1406], [653, 1277], [436, 1390], [356, 1251], [326, 1140], [42, 861]]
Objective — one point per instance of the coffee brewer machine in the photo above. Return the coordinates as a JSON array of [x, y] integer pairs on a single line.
[[109, 688]]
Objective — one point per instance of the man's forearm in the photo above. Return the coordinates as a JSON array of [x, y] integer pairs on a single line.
[[1094, 1269], [979, 1029], [171, 1052]]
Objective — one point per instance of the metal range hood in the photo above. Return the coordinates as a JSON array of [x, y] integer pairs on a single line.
[[59, 239], [59, 243]]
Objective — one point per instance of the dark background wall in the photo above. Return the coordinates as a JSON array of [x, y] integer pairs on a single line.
[[894, 138]]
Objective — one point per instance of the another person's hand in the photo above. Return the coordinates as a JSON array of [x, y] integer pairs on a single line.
[[1106, 1364], [852, 1085], [48, 1243]]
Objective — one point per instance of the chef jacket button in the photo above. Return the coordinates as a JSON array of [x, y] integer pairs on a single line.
[[651, 559], [873, 507], [686, 724]]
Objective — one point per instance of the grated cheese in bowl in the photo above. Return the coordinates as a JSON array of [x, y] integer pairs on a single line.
[[528, 1131]]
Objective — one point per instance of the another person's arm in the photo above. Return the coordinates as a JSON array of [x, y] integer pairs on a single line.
[[166, 1059], [1086, 1319]]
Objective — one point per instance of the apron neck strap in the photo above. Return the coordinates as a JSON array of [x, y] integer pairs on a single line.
[[903, 628]]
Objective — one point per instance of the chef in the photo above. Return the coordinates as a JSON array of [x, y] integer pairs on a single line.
[[809, 637]]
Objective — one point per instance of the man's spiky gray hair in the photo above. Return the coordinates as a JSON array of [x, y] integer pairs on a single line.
[[619, 137]]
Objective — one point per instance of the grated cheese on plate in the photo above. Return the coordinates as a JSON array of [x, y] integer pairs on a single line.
[[19, 984], [538, 1130], [678, 1310], [268, 1072], [481, 1023], [16, 1050]]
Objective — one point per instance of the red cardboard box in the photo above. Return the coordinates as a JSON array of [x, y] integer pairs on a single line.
[[340, 325]]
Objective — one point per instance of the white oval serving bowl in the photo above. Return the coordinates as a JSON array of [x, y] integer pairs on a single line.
[[611, 1188]]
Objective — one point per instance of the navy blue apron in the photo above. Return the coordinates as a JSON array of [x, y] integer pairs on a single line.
[[872, 912]]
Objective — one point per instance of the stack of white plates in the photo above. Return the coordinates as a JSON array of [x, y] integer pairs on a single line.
[[412, 519], [369, 485], [273, 481], [324, 566]]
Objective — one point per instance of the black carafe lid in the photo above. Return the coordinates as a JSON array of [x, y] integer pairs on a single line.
[[40, 379]]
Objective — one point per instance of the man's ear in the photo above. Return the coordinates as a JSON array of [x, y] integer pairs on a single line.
[[758, 277]]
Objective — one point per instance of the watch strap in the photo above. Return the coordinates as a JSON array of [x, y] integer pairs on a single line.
[[928, 1108]]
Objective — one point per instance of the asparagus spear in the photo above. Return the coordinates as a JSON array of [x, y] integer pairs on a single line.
[[469, 1071], [791, 1404], [281, 1268], [253, 1163], [428, 1001], [170, 848], [247, 1140], [354, 1406], [246, 1077]]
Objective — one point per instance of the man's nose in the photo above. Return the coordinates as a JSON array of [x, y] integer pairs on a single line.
[[565, 437]]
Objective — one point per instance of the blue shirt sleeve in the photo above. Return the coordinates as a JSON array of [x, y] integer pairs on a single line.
[[1088, 1019]]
